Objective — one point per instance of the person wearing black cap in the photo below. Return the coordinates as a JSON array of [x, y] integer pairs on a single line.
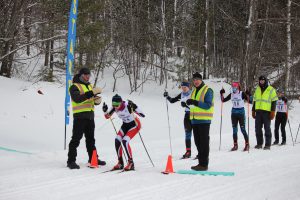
[[281, 117], [201, 106], [84, 97], [126, 111], [183, 96], [263, 111]]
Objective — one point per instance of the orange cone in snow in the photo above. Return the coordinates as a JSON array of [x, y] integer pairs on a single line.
[[169, 167], [94, 161]]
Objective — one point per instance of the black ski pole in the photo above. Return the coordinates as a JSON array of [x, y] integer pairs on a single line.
[[287, 116], [169, 127], [132, 113], [121, 141], [297, 134], [248, 124], [146, 149], [291, 132], [221, 122]]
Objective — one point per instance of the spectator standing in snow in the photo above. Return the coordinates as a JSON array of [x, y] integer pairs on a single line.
[[237, 98], [263, 111], [201, 106], [84, 97], [183, 97], [281, 117], [130, 127]]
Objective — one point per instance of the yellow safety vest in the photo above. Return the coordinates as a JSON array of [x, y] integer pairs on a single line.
[[264, 101], [85, 106], [200, 113]]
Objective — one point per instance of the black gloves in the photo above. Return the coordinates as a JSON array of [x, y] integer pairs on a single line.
[[192, 102], [104, 107], [132, 105], [183, 104], [89, 94], [166, 94], [222, 91]]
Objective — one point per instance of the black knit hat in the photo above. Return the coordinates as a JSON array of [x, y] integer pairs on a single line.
[[116, 98], [197, 75], [262, 77], [84, 71]]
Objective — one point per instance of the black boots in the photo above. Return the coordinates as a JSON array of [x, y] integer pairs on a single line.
[[246, 148], [129, 166], [186, 155], [73, 165], [199, 168], [235, 146]]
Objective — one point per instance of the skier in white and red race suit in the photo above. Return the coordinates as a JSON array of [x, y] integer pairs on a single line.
[[237, 98], [126, 111]]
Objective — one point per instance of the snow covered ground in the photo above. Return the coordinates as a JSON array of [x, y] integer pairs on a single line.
[[32, 125]]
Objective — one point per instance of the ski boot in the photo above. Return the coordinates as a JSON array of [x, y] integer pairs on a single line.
[[246, 147], [129, 166], [275, 142], [119, 165], [258, 146], [186, 155], [235, 147]]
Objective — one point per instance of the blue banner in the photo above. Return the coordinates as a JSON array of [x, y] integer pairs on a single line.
[[70, 56]]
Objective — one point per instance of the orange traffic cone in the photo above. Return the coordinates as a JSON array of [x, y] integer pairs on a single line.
[[94, 161], [169, 167]]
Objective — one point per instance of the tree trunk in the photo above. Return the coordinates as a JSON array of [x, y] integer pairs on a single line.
[[205, 70], [289, 47]]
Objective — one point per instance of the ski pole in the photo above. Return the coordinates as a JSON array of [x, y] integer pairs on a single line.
[[146, 149], [291, 132], [121, 141], [169, 127], [297, 133], [287, 115], [221, 122], [132, 113], [248, 124]]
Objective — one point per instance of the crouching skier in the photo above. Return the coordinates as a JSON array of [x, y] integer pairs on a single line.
[[237, 113], [130, 127]]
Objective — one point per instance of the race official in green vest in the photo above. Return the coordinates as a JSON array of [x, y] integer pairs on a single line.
[[84, 98], [263, 111], [201, 106]]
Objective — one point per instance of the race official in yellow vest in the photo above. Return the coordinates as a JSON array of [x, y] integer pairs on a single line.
[[263, 111], [201, 113], [84, 97]]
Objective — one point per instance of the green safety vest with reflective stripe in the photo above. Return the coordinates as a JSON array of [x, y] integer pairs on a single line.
[[198, 113], [264, 101], [85, 106]]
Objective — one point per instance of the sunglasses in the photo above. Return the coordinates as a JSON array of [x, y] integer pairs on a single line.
[[116, 104], [195, 79]]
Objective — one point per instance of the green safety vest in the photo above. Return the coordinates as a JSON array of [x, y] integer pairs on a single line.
[[85, 106], [264, 101], [200, 113]]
